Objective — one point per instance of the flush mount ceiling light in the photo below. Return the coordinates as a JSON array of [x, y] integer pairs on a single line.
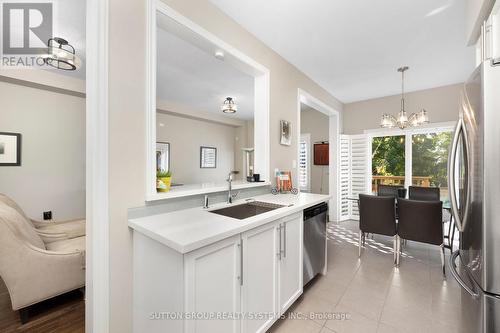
[[402, 120], [229, 106], [61, 55]]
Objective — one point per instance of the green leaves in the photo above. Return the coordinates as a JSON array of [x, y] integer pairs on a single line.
[[429, 156], [388, 156], [163, 173]]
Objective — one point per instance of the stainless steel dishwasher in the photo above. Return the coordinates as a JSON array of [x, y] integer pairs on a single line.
[[315, 219]]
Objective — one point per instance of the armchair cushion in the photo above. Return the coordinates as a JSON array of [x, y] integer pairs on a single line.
[[31, 272], [11, 203], [68, 245], [65, 230], [23, 227], [49, 231]]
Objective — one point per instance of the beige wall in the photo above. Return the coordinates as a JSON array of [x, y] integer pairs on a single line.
[[244, 139], [316, 124], [128, 129], [52, 171], [186, 136], [442, 104]]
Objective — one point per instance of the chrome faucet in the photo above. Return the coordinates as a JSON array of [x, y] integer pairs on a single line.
[[230, 195]]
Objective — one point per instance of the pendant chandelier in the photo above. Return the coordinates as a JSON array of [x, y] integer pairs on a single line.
[[229, 106], [403, 120]]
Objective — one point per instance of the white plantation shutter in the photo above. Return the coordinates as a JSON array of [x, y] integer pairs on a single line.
[[304, 162], [359, 170], [353, 173], [344, 183]]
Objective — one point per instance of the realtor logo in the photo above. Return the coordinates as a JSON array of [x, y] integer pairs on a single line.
[[27, 27]]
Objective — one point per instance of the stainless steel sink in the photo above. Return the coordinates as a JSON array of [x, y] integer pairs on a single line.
[[246, 210]]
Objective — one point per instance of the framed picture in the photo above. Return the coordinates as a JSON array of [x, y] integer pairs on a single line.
[[286, 132], [163, 156], [208, 157], [10, 149]]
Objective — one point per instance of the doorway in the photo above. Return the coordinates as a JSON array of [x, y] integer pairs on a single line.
[[318, 129]]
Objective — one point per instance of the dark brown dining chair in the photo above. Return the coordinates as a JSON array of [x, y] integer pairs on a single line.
[[420, 221], [377, 215], [424, 193], [395, 191]]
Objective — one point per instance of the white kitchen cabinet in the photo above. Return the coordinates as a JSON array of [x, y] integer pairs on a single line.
[[259, 290], [256, 272], [290, 260], [212, 277]]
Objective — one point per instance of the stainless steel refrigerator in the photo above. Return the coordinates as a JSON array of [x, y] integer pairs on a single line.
[[474, 184]]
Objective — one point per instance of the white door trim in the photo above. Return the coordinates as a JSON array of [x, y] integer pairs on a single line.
[[97, 211], [334, 144]]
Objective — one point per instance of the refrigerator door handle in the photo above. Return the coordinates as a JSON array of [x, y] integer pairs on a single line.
[[459, 131], [453, 270]]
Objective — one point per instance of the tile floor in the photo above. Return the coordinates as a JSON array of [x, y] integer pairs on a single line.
[[375, 296]]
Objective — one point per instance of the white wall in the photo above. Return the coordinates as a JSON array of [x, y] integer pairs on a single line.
[[127, 115], [316, 124], [52, 173], [186, 136], [244, 139], [442, 104]]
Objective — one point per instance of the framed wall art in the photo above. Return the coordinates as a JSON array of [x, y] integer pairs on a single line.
[[208, 157], [10, 149], [163, 156], [286, 132]]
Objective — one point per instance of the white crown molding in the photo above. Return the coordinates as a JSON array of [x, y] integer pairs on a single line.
[[44, 78]]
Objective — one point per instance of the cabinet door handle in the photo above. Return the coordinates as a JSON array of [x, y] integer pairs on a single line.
[[279, 233], [240, 245], [284, 240]]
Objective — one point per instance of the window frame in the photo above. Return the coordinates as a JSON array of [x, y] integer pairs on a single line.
[[408, 134]]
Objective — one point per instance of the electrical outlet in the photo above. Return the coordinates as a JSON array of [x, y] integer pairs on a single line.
[[47, 215]]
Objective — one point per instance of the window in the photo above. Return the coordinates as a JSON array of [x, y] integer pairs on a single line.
[[305, 162], [388, 161], [430, 161], [413, 157]]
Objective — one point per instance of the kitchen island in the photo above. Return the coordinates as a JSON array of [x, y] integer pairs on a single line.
[[197, 271]]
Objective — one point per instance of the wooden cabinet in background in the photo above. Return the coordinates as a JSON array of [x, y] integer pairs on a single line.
[[321, 154]]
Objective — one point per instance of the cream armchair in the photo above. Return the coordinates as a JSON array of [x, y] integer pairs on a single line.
[[50, 231], [34, 270]]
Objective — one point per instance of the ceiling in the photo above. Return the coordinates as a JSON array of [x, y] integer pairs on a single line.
[[69, 23], [189, 75], [352, 48]]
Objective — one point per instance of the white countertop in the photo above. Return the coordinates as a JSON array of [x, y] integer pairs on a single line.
[[189, 229], [204, 188]]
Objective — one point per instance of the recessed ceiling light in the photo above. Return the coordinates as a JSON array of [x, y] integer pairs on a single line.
[[219, 55]]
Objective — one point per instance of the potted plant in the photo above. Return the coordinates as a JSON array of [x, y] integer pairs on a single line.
[[163, 180]]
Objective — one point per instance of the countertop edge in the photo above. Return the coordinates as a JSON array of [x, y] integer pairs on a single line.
[[183, 249]]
